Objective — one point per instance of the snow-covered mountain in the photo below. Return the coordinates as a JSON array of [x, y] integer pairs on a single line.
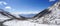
[[28, 15], [6, 16], [51, 15]]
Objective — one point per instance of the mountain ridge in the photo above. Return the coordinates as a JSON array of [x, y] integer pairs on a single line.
[[49, 18]]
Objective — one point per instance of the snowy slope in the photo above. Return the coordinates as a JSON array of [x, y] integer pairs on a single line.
[[47, 17], [24, 23], [2, 18], [2, 15]]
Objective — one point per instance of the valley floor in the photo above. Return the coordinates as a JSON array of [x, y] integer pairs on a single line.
[[24, 23]]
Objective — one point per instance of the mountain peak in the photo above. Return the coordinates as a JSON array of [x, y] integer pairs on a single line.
[[56, 5]]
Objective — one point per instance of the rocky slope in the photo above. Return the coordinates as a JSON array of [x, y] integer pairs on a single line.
[[51, 15]]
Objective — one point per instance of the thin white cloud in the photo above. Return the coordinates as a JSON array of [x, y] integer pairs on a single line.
[[5, 6], [51, 0], [8, 8], [3, 3]]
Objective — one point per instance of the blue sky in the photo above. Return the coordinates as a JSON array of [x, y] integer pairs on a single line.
[[25, 6]]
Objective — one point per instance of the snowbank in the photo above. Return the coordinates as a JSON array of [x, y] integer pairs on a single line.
[[24, 23]]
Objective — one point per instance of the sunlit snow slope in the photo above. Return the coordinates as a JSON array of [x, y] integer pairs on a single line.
[[24, 23], [50, 15]]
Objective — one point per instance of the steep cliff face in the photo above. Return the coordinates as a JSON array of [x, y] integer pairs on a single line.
[[49, 16]]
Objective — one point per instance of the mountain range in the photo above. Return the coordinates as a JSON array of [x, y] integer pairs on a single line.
[[50, 15], [28, 15]]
